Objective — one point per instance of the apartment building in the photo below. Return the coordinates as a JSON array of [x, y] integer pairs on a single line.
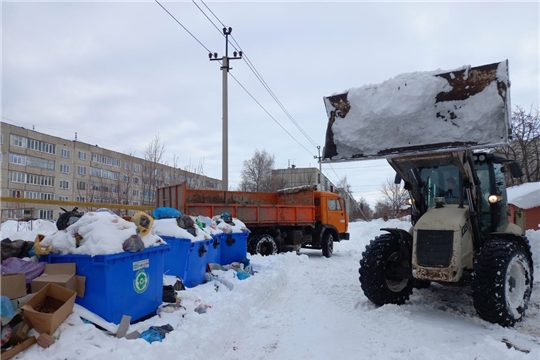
[[35, 165]]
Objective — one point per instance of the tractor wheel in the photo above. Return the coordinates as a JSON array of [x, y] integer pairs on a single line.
[[502, 282], [327, 244], [380, 287], [263, 244]]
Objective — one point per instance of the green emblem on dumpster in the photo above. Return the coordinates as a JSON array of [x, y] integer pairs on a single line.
[[142, 279]]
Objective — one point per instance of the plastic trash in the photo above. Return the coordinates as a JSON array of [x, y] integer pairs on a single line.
[[6, 334], [6, 307], [205, 220], [30, 269], [156, 333], [242, 274], [17, 248], [68, 218], [143, 221], [133, 244], [166, 213]]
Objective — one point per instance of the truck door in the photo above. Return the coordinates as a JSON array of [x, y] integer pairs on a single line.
[[336, 214]]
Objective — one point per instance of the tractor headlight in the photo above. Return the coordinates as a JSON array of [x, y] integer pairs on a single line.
[[482, 157], [493, 199]]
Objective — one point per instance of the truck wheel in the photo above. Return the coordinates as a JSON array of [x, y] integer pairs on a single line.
[[379, 286], [327, 244], [263, 244], [502, 282]]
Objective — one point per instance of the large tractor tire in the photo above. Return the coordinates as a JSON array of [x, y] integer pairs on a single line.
[[328, 244], [502, 282], [262, 244], [381, 255]]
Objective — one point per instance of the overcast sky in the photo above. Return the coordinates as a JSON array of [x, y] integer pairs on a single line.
[[119, 74]]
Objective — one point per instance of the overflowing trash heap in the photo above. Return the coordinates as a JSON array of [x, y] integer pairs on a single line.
[[114, 270]]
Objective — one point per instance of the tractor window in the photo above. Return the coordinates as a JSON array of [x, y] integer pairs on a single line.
[[435, 183]]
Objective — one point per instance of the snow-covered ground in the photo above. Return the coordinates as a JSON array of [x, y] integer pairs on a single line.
[[311, 307]]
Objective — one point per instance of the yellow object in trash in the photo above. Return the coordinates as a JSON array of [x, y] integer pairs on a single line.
[[38, 249], [143, 221]]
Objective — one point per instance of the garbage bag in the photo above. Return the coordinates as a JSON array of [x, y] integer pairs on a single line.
[[6, 308], [169, 296], [185, 221], [68, 218], [166, 213], [133, 244], [41, 250], [17, 248], [156, 333], [30, 269], [143, 221]]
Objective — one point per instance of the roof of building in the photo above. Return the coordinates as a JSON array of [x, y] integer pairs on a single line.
[[525, 196]]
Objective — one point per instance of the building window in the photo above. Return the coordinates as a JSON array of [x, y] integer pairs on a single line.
[[81, 185], [17, 159], [64, 169], [16, 176], [40, 163], [135, 192], [136, 203], [82, 155], [81, 170], [136, 180], [65, 153], [81, 198], [126, 166], [136, 168], [16, 193], [167, 175], [17, 140], [1, 139], [41, 146], [46, 196], [63, 198], [46, 214], [64, 184]]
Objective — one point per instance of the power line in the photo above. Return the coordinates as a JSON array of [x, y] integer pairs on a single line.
[[256, 73], [262, 107], [179, 23], [234, 78]]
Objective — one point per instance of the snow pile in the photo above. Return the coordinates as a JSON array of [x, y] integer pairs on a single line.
[[26, 230], [96, 233], [525, 196], [205, 227], [402, 112]]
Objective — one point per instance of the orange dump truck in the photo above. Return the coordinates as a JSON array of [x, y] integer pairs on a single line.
[[285, 220]]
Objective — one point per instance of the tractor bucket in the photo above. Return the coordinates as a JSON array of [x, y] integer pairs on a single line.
[[420, 112]]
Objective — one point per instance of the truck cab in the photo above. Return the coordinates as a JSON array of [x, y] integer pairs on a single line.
[[330, 210]]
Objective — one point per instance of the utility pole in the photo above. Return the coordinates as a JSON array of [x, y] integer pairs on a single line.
[[225, 142], [320, 168]]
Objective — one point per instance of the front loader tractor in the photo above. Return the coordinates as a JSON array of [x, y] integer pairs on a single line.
[[463, 237]]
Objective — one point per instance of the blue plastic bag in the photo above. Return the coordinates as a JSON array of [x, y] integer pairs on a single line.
[[151, 335], [6, 308], [166, 213]]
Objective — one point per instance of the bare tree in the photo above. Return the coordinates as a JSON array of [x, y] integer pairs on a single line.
[[394, 196], [362, 211], [256, 173], [152, 172], [196, 178], [525, 146], [382, 209]]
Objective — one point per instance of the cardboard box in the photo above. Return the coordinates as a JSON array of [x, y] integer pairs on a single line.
[[20, 328], [49, 307], [45, 340], [11, 352], [62, 275], [13, 285]]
